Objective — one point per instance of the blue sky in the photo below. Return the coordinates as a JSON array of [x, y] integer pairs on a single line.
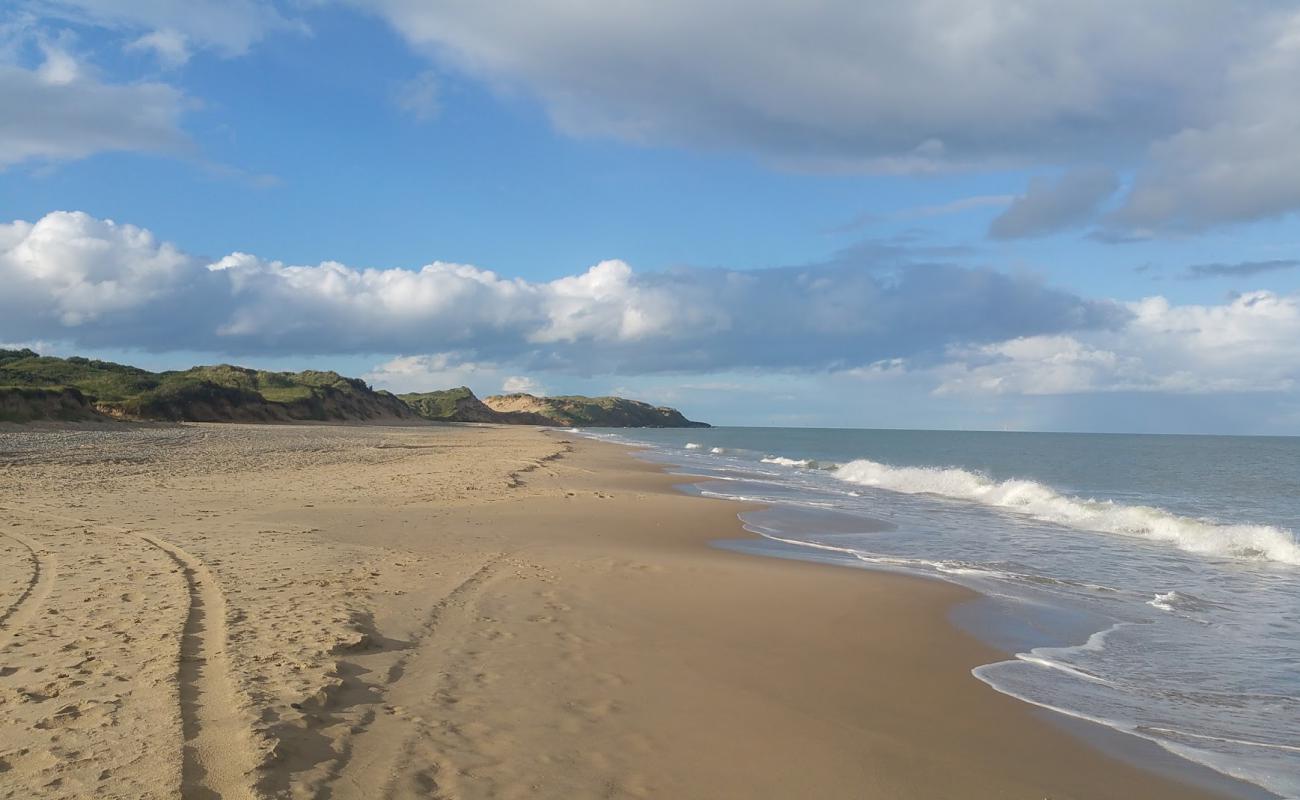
[[918, 215]]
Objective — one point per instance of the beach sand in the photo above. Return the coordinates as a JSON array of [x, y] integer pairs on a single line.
[[465, 611]]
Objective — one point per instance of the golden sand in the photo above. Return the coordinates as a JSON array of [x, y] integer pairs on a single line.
[[471, 612]]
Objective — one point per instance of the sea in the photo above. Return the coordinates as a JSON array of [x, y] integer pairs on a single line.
[[1150, 584]]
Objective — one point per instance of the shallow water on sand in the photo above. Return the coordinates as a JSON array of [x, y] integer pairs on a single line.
[[1157, 577]]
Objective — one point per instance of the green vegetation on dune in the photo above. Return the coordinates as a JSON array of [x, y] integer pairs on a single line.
[[440, 405], [209, 393], [36, 387], [103, 380]]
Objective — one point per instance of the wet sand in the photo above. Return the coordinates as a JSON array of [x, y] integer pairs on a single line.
[[471, 612]]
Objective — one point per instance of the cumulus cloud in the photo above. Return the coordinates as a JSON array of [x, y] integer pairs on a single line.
[[1199, 97], [97, 283], [59, 111], [1049, 206], [1250, 344], [73, 270]]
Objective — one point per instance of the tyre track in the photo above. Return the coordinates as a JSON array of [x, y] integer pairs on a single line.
[[21, 611], [394, 731], [218, 756]]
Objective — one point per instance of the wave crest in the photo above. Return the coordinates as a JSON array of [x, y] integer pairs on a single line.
[[1258, 542]]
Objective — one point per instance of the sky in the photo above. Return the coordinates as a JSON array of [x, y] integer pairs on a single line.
[[969, 214]]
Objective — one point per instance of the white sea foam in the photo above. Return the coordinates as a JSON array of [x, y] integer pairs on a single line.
[[717, 451], [1036, 548], [1164, 602], [788, 462], [692, 446], [1259, 542], [1180, 601]]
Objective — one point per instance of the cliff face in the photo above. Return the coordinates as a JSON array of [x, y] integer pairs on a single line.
[[220, 393], [461, 405], [599, 412], [25, 404]]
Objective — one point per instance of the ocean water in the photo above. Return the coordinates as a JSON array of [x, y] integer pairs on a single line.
[[1147, 583]]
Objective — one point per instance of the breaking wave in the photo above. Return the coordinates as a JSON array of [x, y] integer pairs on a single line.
[[1258, 542], [803, 463]]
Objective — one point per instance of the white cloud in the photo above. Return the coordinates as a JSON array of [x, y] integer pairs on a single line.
[[1241, 162], [72, 277], [78, 268], [917, 84], [1199, 97], [1249, 344], [65, 109], [1048, 206], [522, 384], [960, 334], [59, 111], [607, 300], [1034, 366], [430, 372], [171, 47]]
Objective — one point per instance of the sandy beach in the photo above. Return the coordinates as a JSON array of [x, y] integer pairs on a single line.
[[465, 612]]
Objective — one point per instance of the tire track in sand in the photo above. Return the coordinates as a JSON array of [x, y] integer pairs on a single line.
[[21, 611], [378, 754], [218, 758]]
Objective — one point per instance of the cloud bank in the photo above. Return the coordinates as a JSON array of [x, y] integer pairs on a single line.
[[1193, 103], [1197, 99], [1250, 344], [870, 314], [96, 283]]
